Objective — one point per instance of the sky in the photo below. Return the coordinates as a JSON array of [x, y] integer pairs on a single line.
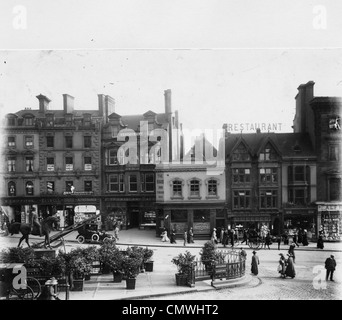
[[224, 61]]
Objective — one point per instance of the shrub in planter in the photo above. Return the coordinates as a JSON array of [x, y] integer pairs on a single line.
[[184, 262], [131, 269], [91, 254], [209, 254], [106, 251], [19, 255], [148, 263], [52, 266], [138, 253]]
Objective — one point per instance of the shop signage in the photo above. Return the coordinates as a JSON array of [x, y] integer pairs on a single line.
[[201, 227], [330, 207], [160, 187]]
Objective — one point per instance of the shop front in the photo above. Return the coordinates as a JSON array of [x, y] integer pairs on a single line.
[[297, 220], [180, 217], [137, 212], [330, 220], [248, 220]]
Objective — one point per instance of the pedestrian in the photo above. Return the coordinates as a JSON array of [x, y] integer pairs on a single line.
[[305, 238], [116, 231], [278, 241], [213, 236], [290, 269], [185, 238], [243, 253], [291, 251], [320, 242], [268, 241], [232, 233], [225, 238], [173, 236], [191, 236], [245, 237], [282, 265], [330, 265], [300, 236], [294, 239], [255, 263], [221, 234], [164, 237]]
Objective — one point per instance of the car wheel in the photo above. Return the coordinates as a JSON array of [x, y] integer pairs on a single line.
[[80, 239], [95, 237]]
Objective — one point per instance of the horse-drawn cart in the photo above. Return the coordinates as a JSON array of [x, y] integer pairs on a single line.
[[254, 240]]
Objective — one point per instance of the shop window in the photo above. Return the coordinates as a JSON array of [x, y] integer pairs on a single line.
[[11, 164], [241, 199], [11, 142], [87, 163], [50, 164], [50, 142], [87, 141], [50, 186], [12, 188], [116, 183], [201, 215], [147, 182], [69, 165], [177, 188], [241, 153], [194, 188], [268, 199], [88, 186], [149, 217], [29, 164], [212, 187], [179, 215], [241, 175], [29, 188], [133, 183], [28, 140]]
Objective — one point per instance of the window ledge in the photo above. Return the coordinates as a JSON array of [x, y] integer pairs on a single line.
[[195, 198], [212, 197], [177, 198]]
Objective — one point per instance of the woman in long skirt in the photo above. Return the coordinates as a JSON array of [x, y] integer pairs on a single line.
[[282, 265], [290, 270], [255, 263]]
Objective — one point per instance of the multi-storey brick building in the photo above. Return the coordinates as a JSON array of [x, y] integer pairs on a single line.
[[320, 117], [53, 160], [130, 150]]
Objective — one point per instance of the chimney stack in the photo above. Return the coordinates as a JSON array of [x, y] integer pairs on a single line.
[[110, 105], [43, 103], [68, 103], [167, 94]]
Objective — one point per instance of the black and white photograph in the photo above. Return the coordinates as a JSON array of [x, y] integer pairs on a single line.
[[170, 155]]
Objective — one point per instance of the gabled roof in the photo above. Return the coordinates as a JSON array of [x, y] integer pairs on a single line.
[[264, 143]]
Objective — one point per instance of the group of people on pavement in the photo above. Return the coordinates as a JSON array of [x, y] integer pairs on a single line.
[[188, 236]]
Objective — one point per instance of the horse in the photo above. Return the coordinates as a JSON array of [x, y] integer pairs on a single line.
[[25, 230]]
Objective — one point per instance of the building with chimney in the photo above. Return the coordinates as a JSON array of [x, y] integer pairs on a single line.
[[53, 160], [131, 147], [320, 118]]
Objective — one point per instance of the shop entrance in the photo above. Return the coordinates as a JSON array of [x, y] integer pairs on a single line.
[[134, 217]]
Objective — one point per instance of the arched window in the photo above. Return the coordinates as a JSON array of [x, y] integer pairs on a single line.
[[212, 187], [194, 188], [12, 189], [29, 188]]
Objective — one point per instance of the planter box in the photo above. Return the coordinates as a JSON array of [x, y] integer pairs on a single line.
[[149, 266], [117, 277], [49, 253], [181, 279], [130, 283], [78, 284]]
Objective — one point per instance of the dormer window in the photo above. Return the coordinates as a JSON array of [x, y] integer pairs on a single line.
[[87, 120], [11, 121], [28, 121], [49, 120], [268, 154], [241, 153]]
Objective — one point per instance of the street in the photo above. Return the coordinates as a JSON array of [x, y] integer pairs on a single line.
[[309, 283]]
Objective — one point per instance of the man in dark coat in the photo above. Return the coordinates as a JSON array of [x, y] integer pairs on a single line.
[[330, 265], [173, 236]]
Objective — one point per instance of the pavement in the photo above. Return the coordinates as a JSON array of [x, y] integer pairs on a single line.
[[161, 281]]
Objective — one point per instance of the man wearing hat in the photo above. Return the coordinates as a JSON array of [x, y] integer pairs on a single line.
[[330, 265]]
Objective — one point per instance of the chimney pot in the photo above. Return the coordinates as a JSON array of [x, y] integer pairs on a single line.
[[68, 103]]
